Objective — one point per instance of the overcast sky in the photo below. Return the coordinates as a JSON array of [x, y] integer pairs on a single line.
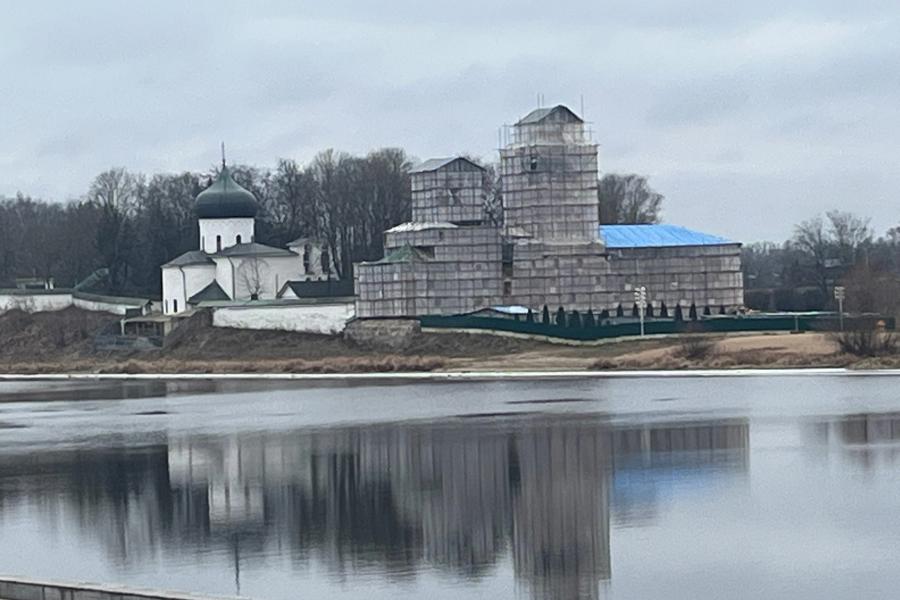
[[748, 116]]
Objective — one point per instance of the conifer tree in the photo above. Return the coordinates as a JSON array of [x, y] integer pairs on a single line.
[[561, 317], [545, 315]]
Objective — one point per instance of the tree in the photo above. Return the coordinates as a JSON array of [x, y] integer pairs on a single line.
[[575, 320], [529, 318], [545, 315], [620, 311], [663, 310], [627, 199], [707, 311], [692, 312], [679, 313], [561, 317], [252, 274], [114, 193], [589, 321], [635, 311], [850, 234], [648, 312]]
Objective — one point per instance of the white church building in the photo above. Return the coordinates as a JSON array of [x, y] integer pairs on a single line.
[[230, 265]]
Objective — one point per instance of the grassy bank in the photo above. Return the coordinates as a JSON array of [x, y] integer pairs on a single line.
[[62, 342]]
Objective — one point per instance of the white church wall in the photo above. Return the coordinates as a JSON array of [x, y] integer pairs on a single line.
[[267, 274], [173, 290], [228, 230], [329, 318]]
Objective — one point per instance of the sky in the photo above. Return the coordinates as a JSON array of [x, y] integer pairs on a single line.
[[749, 117]]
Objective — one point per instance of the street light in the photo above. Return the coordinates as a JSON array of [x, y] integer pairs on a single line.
[[839, 294], [640, 298]]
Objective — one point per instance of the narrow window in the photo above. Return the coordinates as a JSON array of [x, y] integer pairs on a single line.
[[203, 243], [218, 243], [326, 262], [306, 255], [174, 306], [237, 240]]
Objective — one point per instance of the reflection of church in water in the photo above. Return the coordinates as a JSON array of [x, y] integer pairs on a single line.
[[458, 496]]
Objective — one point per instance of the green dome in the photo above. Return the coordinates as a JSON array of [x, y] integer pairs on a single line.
[[225, 199]]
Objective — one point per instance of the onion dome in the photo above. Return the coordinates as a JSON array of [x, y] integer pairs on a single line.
[[225, 199]]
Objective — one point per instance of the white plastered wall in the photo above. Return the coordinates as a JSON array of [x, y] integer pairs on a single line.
[[180, 283], [312, 318], [228, 229], [238, 274]]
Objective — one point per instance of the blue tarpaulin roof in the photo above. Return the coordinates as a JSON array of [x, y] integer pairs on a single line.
[[656, 236]]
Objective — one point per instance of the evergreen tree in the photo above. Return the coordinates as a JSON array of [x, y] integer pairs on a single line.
[[707, 311], [561, 317], [635, 311], [575, 320], [663, 310], [679, 313], [620, 312], [722, 310], [529, 318], [545, 315], [604, 314], [692, 313], [649, 312], [589, 321]]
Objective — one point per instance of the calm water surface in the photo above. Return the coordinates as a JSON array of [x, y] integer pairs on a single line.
[[739, 487]]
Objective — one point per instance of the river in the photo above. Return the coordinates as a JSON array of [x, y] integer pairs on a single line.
[[764, 486]]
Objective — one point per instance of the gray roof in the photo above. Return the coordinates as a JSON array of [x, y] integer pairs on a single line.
[[538, 115], [211, 292], [433, 164], [403, 254], [254, 249], [192, 257]]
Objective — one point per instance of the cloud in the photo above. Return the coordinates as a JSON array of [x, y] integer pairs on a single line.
[[786, 109]]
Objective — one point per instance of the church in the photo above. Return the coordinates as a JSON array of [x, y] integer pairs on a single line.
[[230, 265]]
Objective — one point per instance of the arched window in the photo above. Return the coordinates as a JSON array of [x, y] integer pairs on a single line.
[[218, 243], [326, 262], [237, 240], [175, 306]]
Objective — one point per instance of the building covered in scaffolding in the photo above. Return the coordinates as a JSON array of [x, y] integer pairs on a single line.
[[549, 249]]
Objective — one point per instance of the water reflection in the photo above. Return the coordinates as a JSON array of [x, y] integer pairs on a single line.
[[869, 440], [459, 496]]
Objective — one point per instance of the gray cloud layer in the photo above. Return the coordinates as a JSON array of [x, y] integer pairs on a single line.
[[748, 117]]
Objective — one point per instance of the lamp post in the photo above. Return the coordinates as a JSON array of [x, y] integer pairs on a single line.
[[839, 294], [640, 298]]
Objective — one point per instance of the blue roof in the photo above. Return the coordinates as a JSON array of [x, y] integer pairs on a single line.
[[656, 236]]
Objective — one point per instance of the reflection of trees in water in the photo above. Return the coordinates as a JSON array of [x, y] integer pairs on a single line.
[[456, 495]]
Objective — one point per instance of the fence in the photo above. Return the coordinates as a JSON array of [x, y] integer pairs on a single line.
[[623, 328]]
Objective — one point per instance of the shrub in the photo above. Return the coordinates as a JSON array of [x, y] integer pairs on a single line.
[[694, 347], [865, 342], [604, 314]]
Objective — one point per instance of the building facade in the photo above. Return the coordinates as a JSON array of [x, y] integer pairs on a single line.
[[230, 265], [549, 250]]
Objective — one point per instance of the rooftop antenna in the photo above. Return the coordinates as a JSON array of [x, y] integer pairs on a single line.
[[223, 155]]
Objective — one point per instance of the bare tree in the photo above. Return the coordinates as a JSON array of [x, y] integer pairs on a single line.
[[850, 234], [812, 240], [114, 193], [252, 274], [628, 199]]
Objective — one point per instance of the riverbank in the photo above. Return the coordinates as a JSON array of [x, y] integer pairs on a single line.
[[61, 342]]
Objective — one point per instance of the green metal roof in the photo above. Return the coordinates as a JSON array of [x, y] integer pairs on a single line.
[[225, 199], [402, 254]]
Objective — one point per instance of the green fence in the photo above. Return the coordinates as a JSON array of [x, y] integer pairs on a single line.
[[623, 328]]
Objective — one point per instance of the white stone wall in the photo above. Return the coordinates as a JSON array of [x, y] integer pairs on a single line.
[[34, 303], [310, 318], [228, 229]]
